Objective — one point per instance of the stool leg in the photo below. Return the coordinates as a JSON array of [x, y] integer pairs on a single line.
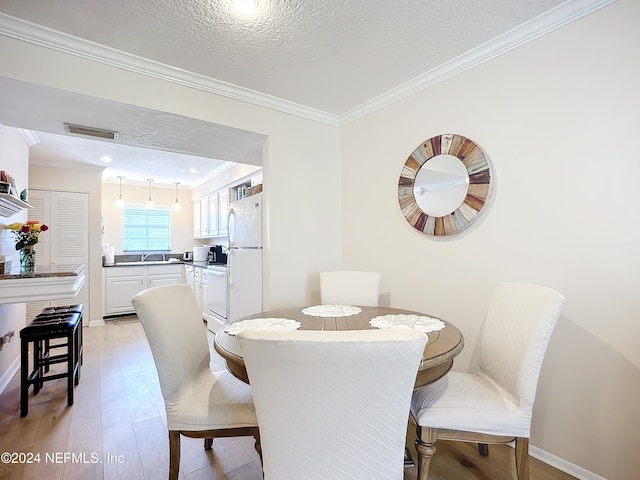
[[77, 351], [70, 367], [37, 366], [24, 373], [45, 353]]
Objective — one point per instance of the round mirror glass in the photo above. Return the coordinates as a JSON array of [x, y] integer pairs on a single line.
[[441, 185]]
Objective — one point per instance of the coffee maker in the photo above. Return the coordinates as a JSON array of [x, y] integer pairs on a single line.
[[216, 255]]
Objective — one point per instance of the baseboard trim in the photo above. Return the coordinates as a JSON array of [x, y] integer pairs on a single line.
[[563, 465], [96, 322], [9, 373]]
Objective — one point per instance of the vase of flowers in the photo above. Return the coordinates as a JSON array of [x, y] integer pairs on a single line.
[[26, 237]]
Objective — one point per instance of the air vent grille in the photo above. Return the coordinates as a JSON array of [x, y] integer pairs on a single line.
[[91, 131]]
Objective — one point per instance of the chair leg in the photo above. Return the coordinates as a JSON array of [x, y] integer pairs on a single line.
[[522, 458], [483, 449], [208, 443], [174, 454], [257, 445], [425, 448]]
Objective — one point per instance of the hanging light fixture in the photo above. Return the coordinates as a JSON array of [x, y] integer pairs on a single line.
[[120, 201], [149, 203], [176, 206]]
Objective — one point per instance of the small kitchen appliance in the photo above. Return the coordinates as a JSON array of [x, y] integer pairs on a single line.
[[201, 253], [188, 256]]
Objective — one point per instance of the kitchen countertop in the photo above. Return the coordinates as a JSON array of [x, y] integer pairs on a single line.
[[41, 272], [148, 263], [203, 264], [43, 284]]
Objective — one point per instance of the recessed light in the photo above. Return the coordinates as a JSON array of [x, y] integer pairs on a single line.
[[193, 170], [106, 159], [245, 6]]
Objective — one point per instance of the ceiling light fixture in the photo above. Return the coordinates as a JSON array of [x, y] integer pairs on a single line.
[[120, 201], [176, 206], [149, 203], [245, 6]]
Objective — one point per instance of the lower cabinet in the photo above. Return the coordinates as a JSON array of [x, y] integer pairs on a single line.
[[121, 284], [200, 289]]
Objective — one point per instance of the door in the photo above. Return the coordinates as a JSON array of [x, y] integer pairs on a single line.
[[65, 246]]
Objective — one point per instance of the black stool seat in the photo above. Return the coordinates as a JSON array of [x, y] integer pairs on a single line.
[[53, 323]]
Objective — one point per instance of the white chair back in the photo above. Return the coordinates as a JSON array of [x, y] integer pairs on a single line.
[[172, 322], [350, 287], [517, 329], [332, 404]]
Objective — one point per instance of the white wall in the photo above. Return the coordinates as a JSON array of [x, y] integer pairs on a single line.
[[559, 119], [14, 155]]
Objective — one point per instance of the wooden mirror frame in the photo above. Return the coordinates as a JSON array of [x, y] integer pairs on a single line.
[[479, 169]]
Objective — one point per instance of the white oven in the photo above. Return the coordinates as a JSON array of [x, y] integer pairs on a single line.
[[217, 296]]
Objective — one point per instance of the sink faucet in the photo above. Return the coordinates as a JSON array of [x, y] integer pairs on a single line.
[[144, 256]]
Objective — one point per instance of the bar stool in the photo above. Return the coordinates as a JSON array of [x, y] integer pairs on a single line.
[[63, 322]]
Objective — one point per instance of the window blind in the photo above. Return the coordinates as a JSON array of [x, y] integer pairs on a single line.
[[146, 230]]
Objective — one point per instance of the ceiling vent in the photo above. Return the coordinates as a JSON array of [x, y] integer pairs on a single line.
[[91, 131]]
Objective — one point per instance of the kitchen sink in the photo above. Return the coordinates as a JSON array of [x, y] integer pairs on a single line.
[[149, 262]]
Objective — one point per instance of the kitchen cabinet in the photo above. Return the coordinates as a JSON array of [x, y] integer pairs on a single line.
[[201, 289], [205, 295], [189, 276], [121, 284], [197, 228], [213, 214], [223, 209], [210, 214]]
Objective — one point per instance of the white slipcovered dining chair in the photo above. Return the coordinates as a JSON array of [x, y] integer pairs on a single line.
[[332, 405], [198, 402], [494, 405], [350, 287]]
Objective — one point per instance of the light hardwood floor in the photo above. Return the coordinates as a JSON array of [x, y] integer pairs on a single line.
[[116, 428]]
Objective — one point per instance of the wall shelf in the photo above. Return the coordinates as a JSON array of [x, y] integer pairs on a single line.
[[10, 205]]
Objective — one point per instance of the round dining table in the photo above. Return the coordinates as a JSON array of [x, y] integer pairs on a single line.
[[437, 359]]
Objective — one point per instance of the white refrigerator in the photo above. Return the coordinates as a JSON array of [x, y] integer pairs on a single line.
[[245, 257]]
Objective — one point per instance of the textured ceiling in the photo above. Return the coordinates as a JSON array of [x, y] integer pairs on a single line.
[[331, 56]]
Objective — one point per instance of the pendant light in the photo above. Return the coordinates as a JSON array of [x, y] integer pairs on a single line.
[[149, 203], [176, 206], [120, 201]]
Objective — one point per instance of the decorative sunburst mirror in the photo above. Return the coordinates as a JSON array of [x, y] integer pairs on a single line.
[[444, 185]]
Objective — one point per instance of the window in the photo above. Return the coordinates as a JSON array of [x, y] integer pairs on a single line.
[[146, 230]]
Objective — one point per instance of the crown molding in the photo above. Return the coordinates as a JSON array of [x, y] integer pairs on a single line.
[[555, 18], [68, 165], [29, 136], [45, 37]]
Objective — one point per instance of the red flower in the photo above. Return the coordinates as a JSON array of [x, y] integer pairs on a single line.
[[25, 229], [44, 228]]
